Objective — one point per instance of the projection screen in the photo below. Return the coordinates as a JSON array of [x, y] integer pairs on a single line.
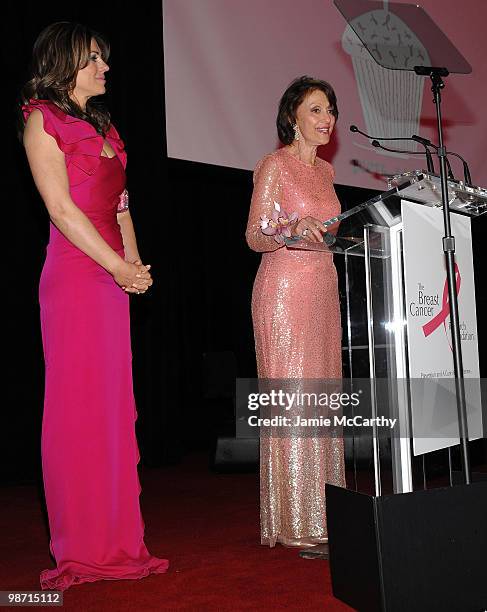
[[227, 63]]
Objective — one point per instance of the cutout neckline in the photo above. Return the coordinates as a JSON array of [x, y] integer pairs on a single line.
[[105, 142]]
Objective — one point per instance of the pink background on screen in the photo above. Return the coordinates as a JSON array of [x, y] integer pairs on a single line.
[[227, 63]]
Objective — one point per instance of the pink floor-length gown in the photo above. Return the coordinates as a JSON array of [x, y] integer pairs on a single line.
[[297, 330], [89, 447]]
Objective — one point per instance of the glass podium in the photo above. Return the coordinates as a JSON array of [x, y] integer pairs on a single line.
[[370, 239]]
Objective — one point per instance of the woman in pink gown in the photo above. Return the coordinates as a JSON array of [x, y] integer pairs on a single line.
[[89, 448], [295, 310]]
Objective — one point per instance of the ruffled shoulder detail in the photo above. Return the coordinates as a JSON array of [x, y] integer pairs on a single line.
[[117, 144], [77, 138]]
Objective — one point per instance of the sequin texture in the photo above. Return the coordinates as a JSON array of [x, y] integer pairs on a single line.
[[297, 330]]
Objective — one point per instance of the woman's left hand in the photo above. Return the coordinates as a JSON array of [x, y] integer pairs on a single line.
[[309, 228]]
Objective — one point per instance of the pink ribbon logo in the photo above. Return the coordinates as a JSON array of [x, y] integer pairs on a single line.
[[437, 320]]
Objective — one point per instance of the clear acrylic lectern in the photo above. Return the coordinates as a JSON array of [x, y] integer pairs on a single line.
[[370, 239]]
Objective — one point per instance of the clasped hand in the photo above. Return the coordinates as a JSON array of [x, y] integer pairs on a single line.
[[133, 277], [310, 229]]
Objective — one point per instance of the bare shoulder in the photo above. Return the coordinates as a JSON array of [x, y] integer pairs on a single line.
[[37, 139], [46, 160], [34, 124]]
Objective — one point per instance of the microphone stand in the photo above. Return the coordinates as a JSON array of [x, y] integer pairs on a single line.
[[437, 85], [436, 75], [427, 143]]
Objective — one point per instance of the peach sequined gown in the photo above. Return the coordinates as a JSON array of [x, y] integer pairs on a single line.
[[297, 329]]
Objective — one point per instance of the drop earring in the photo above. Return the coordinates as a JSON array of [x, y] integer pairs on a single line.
[[296, 131]]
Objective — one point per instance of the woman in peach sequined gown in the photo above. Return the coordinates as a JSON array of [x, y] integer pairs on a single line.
[[295, 311]]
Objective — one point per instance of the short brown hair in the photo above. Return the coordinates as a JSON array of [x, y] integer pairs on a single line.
[[292, 98]]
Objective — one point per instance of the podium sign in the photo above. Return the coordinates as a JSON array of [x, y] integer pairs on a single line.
[[430, 358]]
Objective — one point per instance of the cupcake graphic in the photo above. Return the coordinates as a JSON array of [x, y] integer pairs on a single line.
[[391, 99]]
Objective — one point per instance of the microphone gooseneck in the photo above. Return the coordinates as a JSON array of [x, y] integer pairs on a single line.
[[427, 152], [426, 144], [354, 128], [429, 158], [466, 169], [424, 141]]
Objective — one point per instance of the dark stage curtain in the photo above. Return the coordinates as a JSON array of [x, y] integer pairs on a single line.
[[190, 220]]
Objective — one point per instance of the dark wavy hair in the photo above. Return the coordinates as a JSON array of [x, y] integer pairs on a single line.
[[61, 49], [292, 98]]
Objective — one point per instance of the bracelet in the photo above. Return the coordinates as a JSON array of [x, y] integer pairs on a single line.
[[123, 201]]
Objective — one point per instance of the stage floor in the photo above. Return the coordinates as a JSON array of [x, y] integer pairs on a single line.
[[206, 524]]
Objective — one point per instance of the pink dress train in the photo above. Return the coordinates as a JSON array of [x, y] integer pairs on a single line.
[[89, 448], [297, 329]]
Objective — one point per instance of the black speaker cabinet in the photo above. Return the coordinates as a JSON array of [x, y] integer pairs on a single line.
[[424, 551], [236, 454]]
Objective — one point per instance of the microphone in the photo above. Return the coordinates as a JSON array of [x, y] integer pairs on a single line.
[[466, 169], [354, 128], [429, 159], [426, 143]]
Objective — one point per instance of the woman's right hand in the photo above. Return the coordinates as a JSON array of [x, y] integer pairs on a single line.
[[133, 278], [309, 228]]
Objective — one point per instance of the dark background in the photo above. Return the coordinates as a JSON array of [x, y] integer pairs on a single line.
[[190, 221]]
